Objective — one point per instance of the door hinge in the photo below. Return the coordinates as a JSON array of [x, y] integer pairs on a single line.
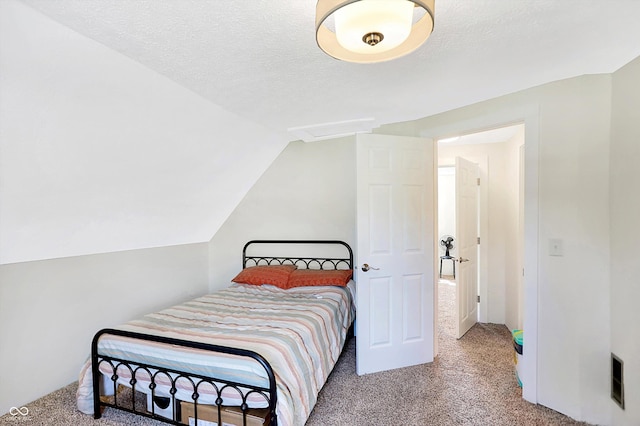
[[478, 240], [478, 181], [478, 298]]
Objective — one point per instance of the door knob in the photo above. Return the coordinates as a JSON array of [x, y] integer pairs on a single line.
[[366, 267], [462, 259]]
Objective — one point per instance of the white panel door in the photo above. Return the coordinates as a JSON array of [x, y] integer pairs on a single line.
[[395, 238], [467, 239]]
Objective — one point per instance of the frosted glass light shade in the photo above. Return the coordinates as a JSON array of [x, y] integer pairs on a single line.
[[390, 18], [372, 30]]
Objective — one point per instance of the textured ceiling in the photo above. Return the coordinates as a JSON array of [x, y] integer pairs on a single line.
[[259, 59], [104, 150]]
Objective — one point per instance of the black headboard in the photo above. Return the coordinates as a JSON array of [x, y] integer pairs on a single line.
[[305, 262]]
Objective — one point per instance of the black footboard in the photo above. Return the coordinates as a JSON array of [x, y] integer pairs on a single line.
[[130, 401]]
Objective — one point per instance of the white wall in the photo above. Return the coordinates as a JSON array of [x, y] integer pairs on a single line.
[[446, 213], [625, 236], [514, 239], [101, 154], [50, 310], [307, 193], [496, 166], [567, 298]]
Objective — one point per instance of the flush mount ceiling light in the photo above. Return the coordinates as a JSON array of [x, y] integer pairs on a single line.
[[368, 31]]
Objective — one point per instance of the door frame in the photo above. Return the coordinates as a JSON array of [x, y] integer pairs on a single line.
[[530, 116]]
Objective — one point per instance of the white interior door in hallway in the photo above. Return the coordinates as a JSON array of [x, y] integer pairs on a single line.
[[467, 182]]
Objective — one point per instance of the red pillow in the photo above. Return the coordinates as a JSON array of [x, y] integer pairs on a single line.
[[311, 277], [277, 275]]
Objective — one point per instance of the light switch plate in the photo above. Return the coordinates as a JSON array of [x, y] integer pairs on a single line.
[[556, 247]]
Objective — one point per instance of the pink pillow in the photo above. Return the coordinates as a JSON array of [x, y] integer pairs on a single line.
[[311, 277], [277, 275]]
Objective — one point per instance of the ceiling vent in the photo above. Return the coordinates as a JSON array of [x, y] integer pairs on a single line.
[[318, 132]]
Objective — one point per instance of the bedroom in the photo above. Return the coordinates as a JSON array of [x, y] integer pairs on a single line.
[[67, 258]]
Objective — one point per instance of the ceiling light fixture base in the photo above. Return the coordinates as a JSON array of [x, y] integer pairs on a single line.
[[369, 31]]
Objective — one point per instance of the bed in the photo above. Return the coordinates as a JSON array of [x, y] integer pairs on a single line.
[[257, 352]]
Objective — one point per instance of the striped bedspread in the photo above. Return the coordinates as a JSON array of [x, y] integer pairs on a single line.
[[300, 332]]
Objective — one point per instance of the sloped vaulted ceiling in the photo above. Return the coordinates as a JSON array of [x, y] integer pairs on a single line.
[[129, 124], [99, 153]]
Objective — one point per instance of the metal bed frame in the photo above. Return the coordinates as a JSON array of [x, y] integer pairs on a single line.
[[197, 382]]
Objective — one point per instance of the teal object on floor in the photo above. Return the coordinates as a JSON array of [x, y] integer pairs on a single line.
[[518, 341]]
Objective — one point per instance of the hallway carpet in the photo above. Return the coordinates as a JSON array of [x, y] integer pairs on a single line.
[[471, 382]]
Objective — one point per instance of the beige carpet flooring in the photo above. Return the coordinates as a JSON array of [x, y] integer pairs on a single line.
[[471, 382]]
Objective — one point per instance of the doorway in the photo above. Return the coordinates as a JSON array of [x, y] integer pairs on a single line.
[[500, 220]]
